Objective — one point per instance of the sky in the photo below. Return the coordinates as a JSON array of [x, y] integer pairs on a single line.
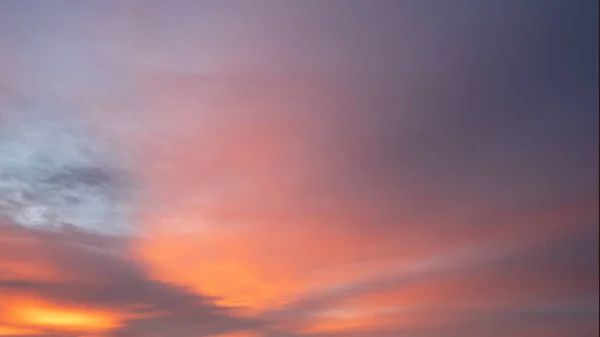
[[315, 168]]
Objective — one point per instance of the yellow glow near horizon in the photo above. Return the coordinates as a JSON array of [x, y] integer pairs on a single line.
[[7, 330], [50, 316]]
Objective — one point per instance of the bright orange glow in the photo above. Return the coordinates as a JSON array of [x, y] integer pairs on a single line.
[[234, 277], [63, 318], [7, 330], [257, 270], [40, 314]]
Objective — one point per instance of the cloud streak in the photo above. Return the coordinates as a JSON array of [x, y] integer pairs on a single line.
[[97, 288]]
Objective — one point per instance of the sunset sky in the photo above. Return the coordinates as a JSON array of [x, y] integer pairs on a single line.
[[299, 168]]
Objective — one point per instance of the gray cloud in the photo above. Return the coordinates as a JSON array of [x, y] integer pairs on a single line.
[[54, 172], [103, 278]]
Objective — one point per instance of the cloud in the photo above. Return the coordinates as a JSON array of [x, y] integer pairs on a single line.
[[55, 172], [99, 290]]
